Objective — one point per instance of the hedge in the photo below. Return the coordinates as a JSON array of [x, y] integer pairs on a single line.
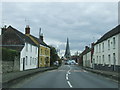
[[9, 54]]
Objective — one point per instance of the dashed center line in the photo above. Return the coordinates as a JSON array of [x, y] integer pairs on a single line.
[[67, 76], [68, 72], [69, 84]]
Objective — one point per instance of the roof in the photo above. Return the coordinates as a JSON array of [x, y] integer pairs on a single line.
[[14, 39], [40, 41], [109, 34], [85, 51]]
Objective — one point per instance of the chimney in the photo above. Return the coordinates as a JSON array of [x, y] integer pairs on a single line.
[[27, 30], [3, 29], [41, 36], [86, 47], [92, 45]]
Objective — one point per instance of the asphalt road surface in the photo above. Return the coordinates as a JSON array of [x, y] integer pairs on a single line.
[[66, 76]]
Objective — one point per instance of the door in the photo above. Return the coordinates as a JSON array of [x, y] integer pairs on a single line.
[[23, 63]]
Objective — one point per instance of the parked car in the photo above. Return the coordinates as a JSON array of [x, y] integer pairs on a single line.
[[70, 62]]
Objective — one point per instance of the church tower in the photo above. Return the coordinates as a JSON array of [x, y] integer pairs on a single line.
[[67, 52]]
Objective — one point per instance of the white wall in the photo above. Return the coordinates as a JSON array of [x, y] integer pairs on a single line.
[[106, 52], [119, 48], [32, 57], [87, 60]]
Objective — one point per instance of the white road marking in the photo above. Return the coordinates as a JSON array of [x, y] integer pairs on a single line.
[[69, 84], [67, 76]]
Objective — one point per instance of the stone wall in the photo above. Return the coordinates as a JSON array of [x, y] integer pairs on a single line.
[[10, 66], [7, 66]]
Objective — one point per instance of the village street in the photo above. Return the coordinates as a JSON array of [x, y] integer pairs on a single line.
[[66, 76]]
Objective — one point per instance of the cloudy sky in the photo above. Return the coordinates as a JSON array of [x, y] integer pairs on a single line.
[[81, 22]]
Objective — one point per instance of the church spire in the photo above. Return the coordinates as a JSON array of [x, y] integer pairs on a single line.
[[67, 52]]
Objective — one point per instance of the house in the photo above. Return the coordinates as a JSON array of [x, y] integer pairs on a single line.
[[43, 51], [28, 50], [85, 58], [107, 51], [87, 61]]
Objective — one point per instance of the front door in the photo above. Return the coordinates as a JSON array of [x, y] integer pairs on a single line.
[[23, 63]]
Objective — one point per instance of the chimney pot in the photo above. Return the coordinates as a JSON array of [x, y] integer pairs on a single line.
[[27, 30]]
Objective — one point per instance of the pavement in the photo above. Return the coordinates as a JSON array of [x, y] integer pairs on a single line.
[[110, 74], [66, 76]]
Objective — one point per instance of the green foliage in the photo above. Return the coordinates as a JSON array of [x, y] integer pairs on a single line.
[[8, 54], [53, 55]]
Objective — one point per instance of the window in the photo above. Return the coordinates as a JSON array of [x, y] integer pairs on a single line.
[[103, 59], [99, 59], [109, 60], [114, 42], [26, 60], [31, 48], [26, 46], [41, 60], [99, 47], [30, 60], [96, 48], [114, 59], [108, 44], [36, 49], [36, 60], [103, 47], [41, 51]]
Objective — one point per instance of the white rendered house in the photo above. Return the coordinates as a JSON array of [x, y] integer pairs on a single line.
[[28, 50], [107, 51], [87, 60]]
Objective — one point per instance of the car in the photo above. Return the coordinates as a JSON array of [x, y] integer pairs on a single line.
[[71, 62]]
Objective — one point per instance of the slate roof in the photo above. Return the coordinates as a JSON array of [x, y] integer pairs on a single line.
[[86, 51], [109, 34], [40, 41], [14, 39]]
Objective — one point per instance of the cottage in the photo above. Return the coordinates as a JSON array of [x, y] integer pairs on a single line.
[[14, 39], [43, 51]]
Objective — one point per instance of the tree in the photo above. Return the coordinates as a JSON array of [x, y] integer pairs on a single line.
[[53, 55]]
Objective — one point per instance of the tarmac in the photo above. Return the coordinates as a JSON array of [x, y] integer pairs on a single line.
[[12, 76], [109, 74]]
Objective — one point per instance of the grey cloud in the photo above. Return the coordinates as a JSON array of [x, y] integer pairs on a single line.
[[83, 22]]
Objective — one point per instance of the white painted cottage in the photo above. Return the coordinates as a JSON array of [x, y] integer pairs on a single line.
[[28, 50], [107, 51], [87, 57]]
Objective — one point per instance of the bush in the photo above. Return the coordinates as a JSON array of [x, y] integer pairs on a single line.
[[9, 54]]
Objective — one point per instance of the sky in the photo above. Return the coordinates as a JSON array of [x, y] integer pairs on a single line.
[[82, 22]]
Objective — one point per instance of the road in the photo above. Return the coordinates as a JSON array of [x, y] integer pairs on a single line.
[[66, 76]]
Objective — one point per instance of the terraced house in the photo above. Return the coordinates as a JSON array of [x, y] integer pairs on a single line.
[[43, 51], [107, 51]]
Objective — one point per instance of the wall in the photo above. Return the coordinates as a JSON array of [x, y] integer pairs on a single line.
[[119, 49], [44, 56], [32, 57], [98, 52], [87, 60], [10, 66], [7, 66]]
